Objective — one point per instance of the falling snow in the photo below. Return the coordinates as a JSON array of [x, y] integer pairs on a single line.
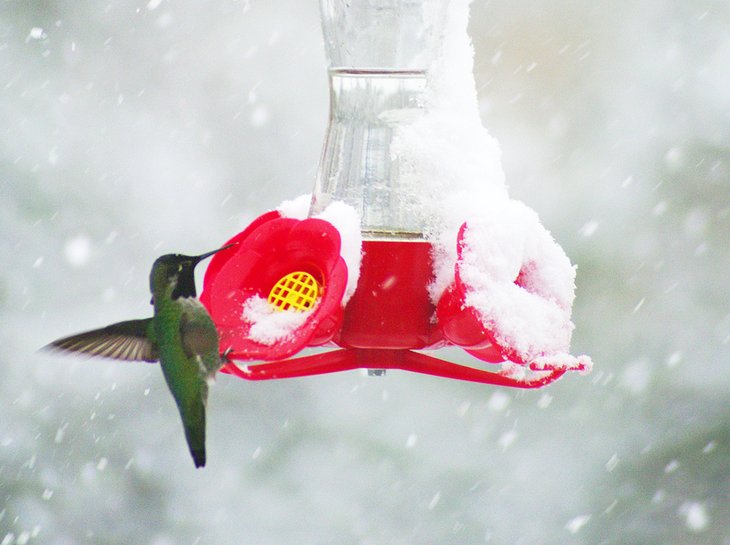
[[259, 116], [612, 125], [575, 525], [434, 501], [77, 250], [499, 401], [589, 228], [695, 515], [507, 439], [35, 33], [612, 463]]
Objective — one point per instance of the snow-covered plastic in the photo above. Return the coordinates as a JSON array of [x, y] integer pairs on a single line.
[[410, 242]]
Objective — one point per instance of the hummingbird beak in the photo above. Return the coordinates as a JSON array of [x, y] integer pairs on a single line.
[[199, 258]]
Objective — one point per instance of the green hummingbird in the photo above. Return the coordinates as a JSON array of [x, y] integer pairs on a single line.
[[181, 335]]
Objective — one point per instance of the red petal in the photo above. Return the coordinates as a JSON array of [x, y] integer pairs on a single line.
[[316, 242], [266, 251], [219, 259]]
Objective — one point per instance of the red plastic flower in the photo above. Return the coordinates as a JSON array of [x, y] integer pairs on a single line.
[[239, 282], [498, 315]]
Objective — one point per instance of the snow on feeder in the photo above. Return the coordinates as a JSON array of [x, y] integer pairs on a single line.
[[409, 242]]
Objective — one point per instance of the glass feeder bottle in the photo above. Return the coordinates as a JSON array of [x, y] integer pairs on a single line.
[[379, 53]]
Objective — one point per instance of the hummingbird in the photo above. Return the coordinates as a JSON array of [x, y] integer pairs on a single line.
[[180, 335]]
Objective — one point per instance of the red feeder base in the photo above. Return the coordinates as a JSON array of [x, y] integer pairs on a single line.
[[405, 360], [391, 307], [389, 315]]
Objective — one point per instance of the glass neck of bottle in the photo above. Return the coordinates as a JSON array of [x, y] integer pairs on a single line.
[[378, 53]]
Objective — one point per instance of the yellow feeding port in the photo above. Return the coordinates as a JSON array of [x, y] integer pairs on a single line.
[[297, 291]]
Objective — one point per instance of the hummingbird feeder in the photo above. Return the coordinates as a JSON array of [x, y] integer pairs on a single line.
[[409, 242]]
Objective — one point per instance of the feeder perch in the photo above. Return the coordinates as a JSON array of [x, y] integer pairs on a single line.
[[389, 260]]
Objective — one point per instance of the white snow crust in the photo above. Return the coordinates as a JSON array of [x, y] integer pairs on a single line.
[[296, 208], [347, 221], [533, 319], [269, 324], [449, 163], [452, 168]]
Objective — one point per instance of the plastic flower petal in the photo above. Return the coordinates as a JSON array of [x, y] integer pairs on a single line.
[[512, 292], [279, 289]]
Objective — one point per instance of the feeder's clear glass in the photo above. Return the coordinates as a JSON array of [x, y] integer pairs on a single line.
[[378, 53]]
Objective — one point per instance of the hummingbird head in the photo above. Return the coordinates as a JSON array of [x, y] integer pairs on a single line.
[[174, 274]]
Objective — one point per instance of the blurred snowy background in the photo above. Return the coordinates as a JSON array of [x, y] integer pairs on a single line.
[[133, 128]]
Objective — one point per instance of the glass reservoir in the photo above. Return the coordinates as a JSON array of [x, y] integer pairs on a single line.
[[357, 166], [394, 87], [379, 53]]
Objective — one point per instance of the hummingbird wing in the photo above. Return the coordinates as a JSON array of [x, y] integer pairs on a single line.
[[200, 337], [130, 341]]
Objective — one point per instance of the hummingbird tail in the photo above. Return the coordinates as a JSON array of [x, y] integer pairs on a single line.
[[190, 392], [198, 457], [194, 423], [196, 444]]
